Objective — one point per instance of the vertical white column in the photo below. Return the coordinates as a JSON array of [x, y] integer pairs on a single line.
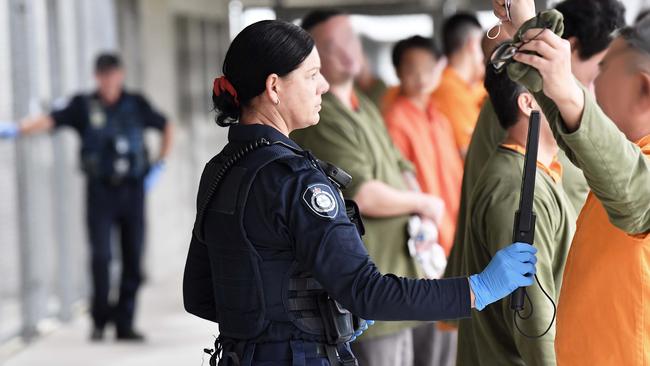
[[8, 221], [23, 84]]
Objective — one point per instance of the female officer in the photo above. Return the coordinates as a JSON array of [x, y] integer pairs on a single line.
[[274, 257]]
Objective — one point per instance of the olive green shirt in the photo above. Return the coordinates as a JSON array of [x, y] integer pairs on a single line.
[[617, 171], [357, 142], [487, 136], [484, 141], [376, 92], [490, 337]]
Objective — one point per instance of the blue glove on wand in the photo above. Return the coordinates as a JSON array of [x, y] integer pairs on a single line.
[[512, 267]]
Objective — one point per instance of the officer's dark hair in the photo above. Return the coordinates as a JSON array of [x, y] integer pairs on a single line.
[[317, 17], [456, 30], [261, 49], [503, 94], [415, 42], [592, 23], [107, 62]]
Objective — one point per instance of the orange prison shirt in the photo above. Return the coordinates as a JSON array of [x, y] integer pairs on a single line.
[[461, 103], [604, 306], [390, 96], [426, 139]]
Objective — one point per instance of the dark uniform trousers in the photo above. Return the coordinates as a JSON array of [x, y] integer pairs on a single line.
[[120, 206]]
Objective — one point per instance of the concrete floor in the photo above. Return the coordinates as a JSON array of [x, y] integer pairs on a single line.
[[173, 336]]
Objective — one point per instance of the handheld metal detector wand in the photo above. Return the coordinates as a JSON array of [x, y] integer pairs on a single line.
[[524, 227]]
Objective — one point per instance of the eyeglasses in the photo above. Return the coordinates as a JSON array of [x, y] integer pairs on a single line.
[[504, 53]]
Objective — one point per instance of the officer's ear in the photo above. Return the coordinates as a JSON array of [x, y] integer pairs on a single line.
[[272, 87]]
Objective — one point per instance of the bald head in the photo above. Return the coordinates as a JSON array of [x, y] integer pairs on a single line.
[[339, 47], [623, 85], [637, 38], [316, 17]]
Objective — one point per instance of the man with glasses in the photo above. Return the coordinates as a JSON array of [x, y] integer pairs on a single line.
[[603, 314]]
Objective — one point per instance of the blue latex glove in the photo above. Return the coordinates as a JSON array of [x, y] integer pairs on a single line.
[[153, 176], [512, 267], [363, 328], [9, 130]]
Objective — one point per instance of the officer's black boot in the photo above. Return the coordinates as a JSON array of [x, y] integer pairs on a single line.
[[129, 335], [97, 334]]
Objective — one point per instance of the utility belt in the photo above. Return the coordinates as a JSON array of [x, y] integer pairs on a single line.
[[312, 309], [113, 184], [295, 352]]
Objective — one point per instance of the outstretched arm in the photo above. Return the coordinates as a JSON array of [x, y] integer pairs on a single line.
[[616, 169], [167, 140]]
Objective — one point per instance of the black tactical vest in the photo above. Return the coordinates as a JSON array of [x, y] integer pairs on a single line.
[[251, 291], [112, 145]]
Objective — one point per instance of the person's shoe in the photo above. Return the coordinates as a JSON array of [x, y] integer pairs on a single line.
[[97, 334], [129, 335]]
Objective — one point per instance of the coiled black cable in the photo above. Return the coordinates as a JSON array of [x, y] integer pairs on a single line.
[[516, 313]]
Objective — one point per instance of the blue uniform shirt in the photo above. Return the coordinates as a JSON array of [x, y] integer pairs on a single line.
[[294, 211]]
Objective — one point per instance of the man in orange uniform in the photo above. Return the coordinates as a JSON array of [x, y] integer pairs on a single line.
[[421, 132], [425, 137], [461, 93], [604, 307]]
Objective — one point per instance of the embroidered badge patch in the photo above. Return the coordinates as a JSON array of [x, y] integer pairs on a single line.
[[97, 119], [321, 200]]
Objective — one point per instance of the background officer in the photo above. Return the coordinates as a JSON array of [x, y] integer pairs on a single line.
[[111, 123]]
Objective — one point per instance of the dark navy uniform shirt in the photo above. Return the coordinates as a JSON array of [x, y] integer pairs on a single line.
[[293, 209], [76, 114]]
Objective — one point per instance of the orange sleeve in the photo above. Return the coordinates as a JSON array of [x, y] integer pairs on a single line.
[[390, 96], [446, 103], [399, 136]]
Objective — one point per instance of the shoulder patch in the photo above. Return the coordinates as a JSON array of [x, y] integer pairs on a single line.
[[321, 200]]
